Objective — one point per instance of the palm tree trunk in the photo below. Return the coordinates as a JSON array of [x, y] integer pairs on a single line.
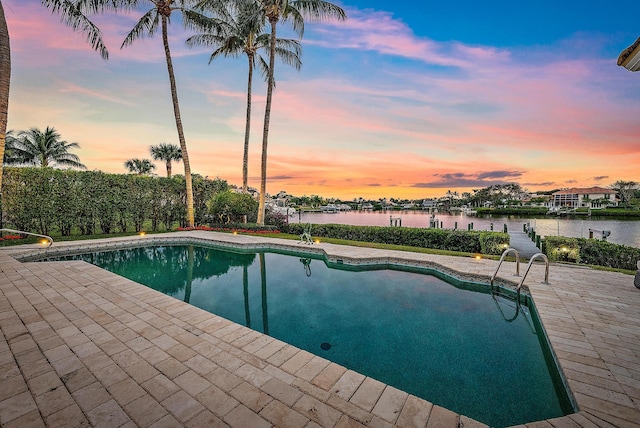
[[247, 129], [5, 78], [267, 116], [168, 168], [176, 111]]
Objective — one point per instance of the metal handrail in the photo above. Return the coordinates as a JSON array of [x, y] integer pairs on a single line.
[[504, 254], [48, 238], [546, 272]]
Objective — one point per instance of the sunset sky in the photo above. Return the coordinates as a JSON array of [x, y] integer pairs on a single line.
[[404, 99]]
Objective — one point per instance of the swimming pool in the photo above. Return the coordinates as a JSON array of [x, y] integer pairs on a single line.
[[457, 346]]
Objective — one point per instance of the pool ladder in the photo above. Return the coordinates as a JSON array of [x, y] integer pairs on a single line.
[[533, 258], [504, 254], [48, 238]]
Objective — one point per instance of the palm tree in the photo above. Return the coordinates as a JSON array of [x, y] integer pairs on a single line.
[[73, 15], [38, 148], [167, 153], [9, 156], [159, 15], [243, 33], [294, 11], [140, 166]]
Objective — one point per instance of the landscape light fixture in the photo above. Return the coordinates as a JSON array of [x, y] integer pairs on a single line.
[[630, 57]]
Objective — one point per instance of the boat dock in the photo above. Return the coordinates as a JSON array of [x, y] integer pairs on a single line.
[[523, 243]]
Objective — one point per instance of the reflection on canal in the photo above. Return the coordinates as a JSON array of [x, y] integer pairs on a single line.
[[623, 231]]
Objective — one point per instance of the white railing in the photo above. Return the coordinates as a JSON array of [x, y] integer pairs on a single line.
[[48, 238]]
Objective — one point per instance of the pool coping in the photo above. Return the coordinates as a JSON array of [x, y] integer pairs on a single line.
[[594, 333]]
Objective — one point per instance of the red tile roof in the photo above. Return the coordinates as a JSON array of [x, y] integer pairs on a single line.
[[586, 191]]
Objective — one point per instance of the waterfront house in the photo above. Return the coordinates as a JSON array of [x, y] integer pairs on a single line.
[[592, 197]]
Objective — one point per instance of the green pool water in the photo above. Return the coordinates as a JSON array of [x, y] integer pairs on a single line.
[[454, 344]]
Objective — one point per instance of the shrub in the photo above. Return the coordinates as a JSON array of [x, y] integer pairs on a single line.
[[603, 253], [46, 200], [231, 207], [493, 242], [440, 239], [561, 248]]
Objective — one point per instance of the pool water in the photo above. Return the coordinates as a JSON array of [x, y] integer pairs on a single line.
[[458, 346]]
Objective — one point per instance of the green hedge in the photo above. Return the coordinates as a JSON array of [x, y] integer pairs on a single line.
[[513, 211], [440, 239], [561, 248], [65, 202], [616, 212], [591, 252], [603, 253]]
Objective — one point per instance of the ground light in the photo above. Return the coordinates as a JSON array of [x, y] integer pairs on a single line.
[[142, 233]]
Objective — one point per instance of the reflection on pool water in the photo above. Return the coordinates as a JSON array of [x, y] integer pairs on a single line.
[[459, 346]]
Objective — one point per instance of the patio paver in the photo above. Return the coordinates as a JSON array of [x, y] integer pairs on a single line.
[[80, 346]]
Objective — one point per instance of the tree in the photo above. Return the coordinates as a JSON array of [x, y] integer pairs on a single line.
[[159, 15], [625, 189], [294, 11], [242, 32], [9, 156], [37, 148], [167, 153], [232, 207], [140, 166], [73, 15]]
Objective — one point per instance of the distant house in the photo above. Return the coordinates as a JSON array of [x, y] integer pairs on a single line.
[[428, 203], [592, 197]]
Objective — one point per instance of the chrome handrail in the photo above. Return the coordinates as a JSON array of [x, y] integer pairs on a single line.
[[546, 272], [48, 238], [504, 254]]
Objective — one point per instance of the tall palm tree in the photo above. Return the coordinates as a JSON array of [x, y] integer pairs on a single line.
[[243, 32], [38, 148], [139, 166], [73, 14], [294, 11], [166, 152], [159, 15]]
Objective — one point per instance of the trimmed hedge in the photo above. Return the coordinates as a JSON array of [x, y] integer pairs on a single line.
[[439, 239], [65, 202], [523, 211], [561, 249], [591, 252], [603, 253]]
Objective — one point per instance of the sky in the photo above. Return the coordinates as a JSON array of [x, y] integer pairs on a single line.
[[403, 99]]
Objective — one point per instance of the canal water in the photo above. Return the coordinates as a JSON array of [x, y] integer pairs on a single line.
[[623, 231]]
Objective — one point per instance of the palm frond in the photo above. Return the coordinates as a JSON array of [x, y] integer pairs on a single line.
[[288, 57], [263, 65], [72, 16], [318, 10], [204, 40], [193, 20], [293, 16], [146, 26]]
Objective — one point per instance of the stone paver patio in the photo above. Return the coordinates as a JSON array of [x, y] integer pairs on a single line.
[[80, 346]]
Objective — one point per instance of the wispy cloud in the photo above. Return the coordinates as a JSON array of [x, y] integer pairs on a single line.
[[68, 87]]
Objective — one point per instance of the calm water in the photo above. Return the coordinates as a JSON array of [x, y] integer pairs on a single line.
[[457, 346], [626, 232]]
